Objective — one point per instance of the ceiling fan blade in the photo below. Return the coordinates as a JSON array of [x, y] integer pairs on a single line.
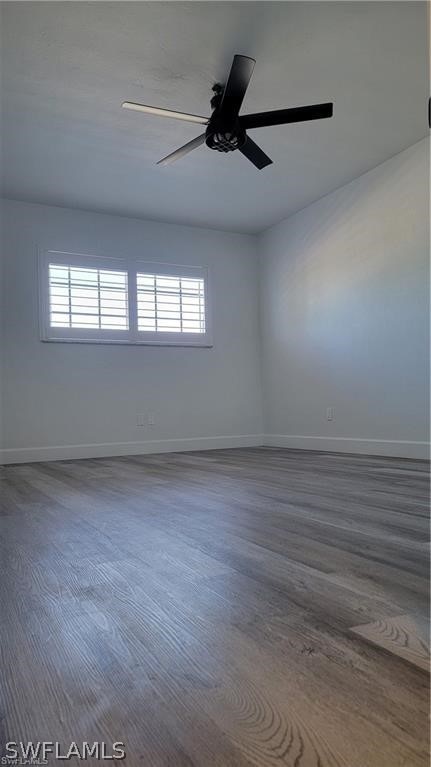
[[255, 154], [182, 151], [284, 116], [158, 112], [237, 84]]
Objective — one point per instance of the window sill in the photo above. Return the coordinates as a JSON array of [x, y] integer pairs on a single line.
[[204, 344]]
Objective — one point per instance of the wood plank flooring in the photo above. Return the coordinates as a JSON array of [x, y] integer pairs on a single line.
[[199, 607], [402, 635]]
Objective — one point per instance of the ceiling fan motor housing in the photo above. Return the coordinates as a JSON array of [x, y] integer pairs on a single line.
[[224, 137]]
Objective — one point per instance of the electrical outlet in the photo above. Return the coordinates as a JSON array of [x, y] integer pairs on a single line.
[[330, 413]]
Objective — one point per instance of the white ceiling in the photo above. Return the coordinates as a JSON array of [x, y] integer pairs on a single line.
[[67, 66]]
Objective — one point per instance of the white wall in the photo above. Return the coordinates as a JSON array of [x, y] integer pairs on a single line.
[[343, 323], [345, 315], [85, 398], [2, 319]]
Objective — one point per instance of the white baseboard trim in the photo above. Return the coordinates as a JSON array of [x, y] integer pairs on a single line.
[[111, 449], [396, 448], [400, 448]]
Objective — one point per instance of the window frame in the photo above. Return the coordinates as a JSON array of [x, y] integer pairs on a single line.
[[132, 267]]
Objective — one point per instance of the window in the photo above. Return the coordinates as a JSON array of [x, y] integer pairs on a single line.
[[94, 299], [170, 304], [87, 298]]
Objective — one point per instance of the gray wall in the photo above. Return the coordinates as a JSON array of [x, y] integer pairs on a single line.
[[345, 315], [60, 395]]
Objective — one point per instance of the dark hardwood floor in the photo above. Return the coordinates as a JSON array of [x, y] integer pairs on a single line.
[[218, 609]]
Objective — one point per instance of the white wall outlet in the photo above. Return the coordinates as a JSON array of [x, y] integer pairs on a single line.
[[151, 419], [141, 420], [330, 413]]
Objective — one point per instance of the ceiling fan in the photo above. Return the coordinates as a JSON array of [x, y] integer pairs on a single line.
[[226, 128]]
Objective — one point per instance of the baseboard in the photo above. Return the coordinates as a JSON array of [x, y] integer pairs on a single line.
[[400, 448], [111, 449], [395, 448]]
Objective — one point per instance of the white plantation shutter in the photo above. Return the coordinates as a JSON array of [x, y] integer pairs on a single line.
[[92, 299], [170, 304], [88, 298]]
